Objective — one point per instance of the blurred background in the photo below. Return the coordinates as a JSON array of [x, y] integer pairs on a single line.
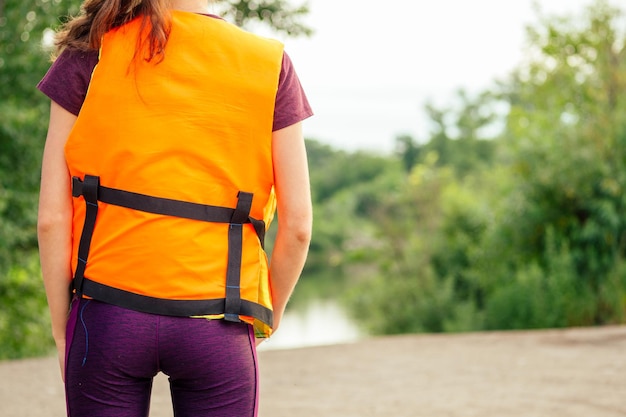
[[467, 158]]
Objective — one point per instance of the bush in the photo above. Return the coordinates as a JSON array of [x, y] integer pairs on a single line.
[[24, 318]]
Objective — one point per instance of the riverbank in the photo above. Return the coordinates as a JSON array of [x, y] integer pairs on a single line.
[[552, 373]]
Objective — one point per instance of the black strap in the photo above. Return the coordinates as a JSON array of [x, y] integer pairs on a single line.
[[168, 207], [232, 306], [235, 244], [90, 193], [179, 308]]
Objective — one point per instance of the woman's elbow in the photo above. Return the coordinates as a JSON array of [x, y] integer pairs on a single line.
[[303, 234], [49, 222], [298, 229]]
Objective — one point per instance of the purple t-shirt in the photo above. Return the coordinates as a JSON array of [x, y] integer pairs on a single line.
[[67, 80]]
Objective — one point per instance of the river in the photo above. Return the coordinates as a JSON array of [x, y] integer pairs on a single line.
[[319, 322]]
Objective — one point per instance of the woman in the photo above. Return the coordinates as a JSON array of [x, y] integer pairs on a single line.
[[161, 172]]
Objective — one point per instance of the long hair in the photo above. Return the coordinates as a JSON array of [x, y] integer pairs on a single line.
[[84, 32]]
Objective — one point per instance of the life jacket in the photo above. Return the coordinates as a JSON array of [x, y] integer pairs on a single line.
[[171, 166]]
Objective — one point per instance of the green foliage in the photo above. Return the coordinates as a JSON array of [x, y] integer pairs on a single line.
[[525, 229], [23, 62], [404, 219], [460, 135], [383, 302], [569, 162], [346, 189], [24, 320], [277, 14], [23, 113], [539, 296]]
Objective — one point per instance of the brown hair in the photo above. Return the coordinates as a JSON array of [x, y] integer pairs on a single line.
[[84, 32]]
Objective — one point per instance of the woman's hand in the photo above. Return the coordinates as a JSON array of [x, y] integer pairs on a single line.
[[276, 322]]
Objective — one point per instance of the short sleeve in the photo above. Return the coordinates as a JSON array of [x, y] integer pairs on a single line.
[[292, 105], [67, 80]]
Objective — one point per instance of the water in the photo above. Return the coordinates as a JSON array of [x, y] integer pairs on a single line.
[[320, 322]]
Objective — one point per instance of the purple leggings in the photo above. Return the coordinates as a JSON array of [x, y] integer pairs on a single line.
[[114, 353]]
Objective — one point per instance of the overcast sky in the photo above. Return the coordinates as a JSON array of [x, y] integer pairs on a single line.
[[371, 65]]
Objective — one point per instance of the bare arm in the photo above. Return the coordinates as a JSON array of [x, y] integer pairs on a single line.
[[54, 223], [295, 215]]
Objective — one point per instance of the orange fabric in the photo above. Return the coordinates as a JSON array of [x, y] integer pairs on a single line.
[[195, 127]]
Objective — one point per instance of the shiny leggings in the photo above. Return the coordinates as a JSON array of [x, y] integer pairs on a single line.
[[113, 355]]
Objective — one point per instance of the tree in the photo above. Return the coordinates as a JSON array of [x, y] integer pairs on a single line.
[[570, 157], [277, 14], [26, 29], [553, 254], [536, 237], [461, 135]]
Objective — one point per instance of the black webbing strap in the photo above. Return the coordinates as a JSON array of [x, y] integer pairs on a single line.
[[90, 193], [166, 206], [232, 306], [235, 244], [180, 308]]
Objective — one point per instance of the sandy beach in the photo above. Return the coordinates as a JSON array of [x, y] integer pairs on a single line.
[[551, 373]]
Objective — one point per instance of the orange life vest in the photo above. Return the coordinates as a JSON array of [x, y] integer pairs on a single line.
[[172, 173]]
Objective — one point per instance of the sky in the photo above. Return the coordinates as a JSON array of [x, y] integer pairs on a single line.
[[371, 65]]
